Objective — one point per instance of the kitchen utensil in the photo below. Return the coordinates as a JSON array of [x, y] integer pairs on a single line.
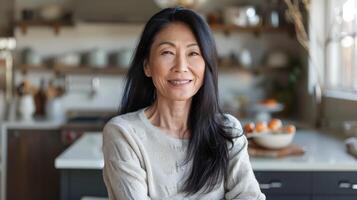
[[351, 145], [241, 16], [277, 58], [54, 109], [26, 107], [263, 111], [245, 58], [70, 59], [350, 128], [51, 12], [97, 58], [31, 57], [273, 19], [123, 57], [272, 140], [290, 150]]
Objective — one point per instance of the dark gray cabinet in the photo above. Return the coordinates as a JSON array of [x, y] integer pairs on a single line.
[[287, 185], [293, 185], [335, 198], [77, 183]]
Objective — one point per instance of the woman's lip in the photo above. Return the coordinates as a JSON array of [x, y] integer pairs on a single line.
[[180, 80]]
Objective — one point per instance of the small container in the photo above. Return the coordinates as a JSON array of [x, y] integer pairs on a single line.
[[26, 107], [54, 109], [31, 57], [123, 57], [350, 128], [274, 140], [98, 58]]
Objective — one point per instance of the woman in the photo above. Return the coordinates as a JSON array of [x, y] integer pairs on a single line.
[[171, 140]]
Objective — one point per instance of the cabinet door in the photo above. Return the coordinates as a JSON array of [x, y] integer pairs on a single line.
[[335, 183], [334, 198], [285, 183], [30, 164], [272, 197]]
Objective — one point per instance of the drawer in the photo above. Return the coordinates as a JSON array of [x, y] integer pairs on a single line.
[[342, 183], [285, 182], [334, 198], [284, 197]]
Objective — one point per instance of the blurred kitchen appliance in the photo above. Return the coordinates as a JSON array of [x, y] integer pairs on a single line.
[[7, 44]]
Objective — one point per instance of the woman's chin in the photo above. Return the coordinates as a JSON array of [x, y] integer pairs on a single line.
[[181, 97]]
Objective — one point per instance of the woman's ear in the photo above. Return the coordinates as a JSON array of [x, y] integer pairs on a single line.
[[147, 70]]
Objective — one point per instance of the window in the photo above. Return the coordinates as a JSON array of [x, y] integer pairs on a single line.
[[341, 47]]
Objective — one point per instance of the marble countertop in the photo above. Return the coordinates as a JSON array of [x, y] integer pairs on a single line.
[[323, 153]]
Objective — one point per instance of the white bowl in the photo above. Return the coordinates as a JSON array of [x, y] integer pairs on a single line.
[[273, 140]]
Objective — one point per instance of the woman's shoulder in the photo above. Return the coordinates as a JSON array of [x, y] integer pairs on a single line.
[[232, 124], [122, 125]]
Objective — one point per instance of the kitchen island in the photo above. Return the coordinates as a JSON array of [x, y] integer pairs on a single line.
[[325, 171]]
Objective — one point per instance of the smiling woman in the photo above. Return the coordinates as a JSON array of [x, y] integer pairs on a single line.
[[175, 63], [171, 139]]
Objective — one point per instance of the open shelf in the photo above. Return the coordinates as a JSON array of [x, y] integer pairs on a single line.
[[253, 29], [56, 24], [84, 70]]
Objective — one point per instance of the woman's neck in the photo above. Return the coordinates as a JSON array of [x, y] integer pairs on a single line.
[[171, 116]]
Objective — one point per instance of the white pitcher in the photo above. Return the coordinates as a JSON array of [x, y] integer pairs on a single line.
[[26, 107]]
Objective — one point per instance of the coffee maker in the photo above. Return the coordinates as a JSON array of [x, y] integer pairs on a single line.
[[7, 45]]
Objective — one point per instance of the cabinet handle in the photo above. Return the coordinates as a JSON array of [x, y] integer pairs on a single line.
[[354, 186], [273, 184], [347, 185]]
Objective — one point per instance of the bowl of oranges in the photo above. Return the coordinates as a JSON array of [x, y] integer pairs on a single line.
[[271, 135]]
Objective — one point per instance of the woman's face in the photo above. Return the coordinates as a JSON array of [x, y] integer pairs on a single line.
[[175, 63]]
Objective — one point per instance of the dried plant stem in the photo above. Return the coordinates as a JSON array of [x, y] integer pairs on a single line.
[[295, 15]]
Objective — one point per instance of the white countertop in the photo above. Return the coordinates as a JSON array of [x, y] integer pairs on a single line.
[[85, 153], [32, 124], [323, 153]]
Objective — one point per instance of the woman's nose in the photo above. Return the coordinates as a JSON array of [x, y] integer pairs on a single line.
[[181, 64]]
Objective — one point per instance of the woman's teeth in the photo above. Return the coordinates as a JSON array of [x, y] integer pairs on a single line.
[[179, 82]]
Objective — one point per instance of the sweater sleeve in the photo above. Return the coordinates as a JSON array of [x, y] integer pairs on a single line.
[[240, 182], [124, 177]]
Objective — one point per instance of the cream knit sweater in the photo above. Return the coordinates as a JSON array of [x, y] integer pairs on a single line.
[[142, 162]]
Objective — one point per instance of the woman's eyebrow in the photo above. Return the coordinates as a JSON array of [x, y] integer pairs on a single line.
[[166, 42], [193, 44], [173, 45]]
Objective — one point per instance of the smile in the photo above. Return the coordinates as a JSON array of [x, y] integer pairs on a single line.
[[179, 82]]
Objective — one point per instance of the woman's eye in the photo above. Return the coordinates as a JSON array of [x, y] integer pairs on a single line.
[[193, 54], [167, 53]]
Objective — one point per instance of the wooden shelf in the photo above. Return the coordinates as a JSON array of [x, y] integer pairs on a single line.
[[81, 70], [253, 70], [87, 70], [116, 70], [254, 29], [56, 25]]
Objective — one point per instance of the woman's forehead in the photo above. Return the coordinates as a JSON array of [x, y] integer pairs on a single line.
[[174, 34]]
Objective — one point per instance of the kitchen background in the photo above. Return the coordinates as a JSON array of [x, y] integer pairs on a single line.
[[69, 62]]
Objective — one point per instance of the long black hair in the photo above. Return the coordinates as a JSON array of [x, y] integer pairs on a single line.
[[207, 147]]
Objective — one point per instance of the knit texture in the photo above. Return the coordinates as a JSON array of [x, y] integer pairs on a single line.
[[142, 162]]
